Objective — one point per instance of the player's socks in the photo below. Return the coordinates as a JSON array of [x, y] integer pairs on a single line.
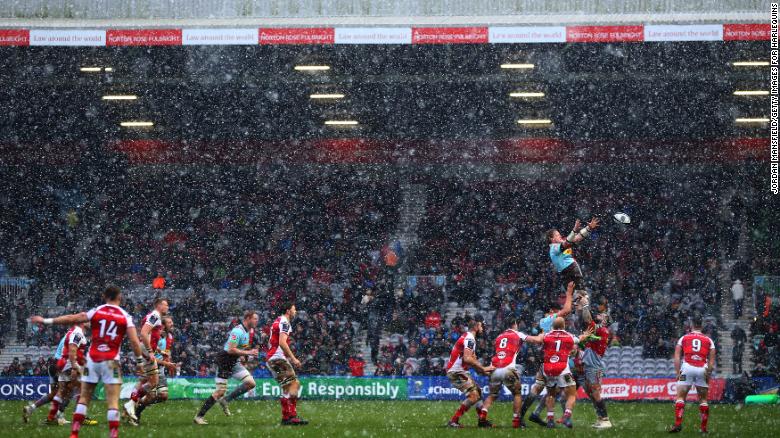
[[527, 402], [483, 413], [55, 407], [140, 408], [550, 419], [679, 409], [206, 406], [40, 402], [704, 410], [78, 417], [293, 406], [462, 409], [285, 402], [538, 410], [237, 392], [113, 423], [601, 408]]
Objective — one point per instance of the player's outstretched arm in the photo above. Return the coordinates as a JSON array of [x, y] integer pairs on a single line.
[[586, 334], [538, 339], [578, 234], [566, 310], [74, 318], [286, 349]]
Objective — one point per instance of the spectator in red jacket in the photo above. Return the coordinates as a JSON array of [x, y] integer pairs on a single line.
[[433, 320], [356, 365]]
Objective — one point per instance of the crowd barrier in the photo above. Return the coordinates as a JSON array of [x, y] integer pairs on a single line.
[[365, 388]]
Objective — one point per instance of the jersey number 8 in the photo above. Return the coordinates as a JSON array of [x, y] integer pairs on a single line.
[[503, 343]]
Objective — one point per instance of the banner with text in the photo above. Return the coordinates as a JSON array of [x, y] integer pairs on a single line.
[[374, 388]]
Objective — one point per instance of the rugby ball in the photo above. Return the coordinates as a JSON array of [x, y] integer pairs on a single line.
[[622, 218]]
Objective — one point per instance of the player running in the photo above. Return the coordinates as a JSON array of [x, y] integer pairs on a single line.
[[592, 364], [546, 324], [561, 256], [109, 324], [165, 366], [507, 346], [146, 388], [281, 361], [65, 384], [558, 346], [697, 352], [238, 345], [462, 357]]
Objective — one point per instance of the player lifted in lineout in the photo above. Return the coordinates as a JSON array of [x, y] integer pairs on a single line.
[[462, 357], [237, 346], [694, 360], [561, 255], [146, 389], [109, 324], [281, 361]]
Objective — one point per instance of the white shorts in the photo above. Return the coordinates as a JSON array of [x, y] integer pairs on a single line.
[[562, 380], [109, 372], [507, 376], [691, 375], [238, 372], [64, 375]]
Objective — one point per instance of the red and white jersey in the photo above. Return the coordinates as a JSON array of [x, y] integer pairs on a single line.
[[507, 346], [280, 325], [153, 319], [74, 336], [466, 341], [557, 344], [599, 347], [696, 348], [109, 324]]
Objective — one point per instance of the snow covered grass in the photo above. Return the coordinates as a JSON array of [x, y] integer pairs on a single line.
[[394, 419]]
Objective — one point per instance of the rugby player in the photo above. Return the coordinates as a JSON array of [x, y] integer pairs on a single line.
[[146, 388], [558, 346], [281, 361], [462, 357], [165, 367], [109, 324], [237, 346], [694, 360], [546, 324]]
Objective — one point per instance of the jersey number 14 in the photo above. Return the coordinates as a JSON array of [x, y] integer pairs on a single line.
[[110, 331]]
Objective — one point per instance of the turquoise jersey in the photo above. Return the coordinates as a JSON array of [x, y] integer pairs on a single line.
[[162, 345], [238, 336], [60, 349], [560, 259], [546, 323]]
